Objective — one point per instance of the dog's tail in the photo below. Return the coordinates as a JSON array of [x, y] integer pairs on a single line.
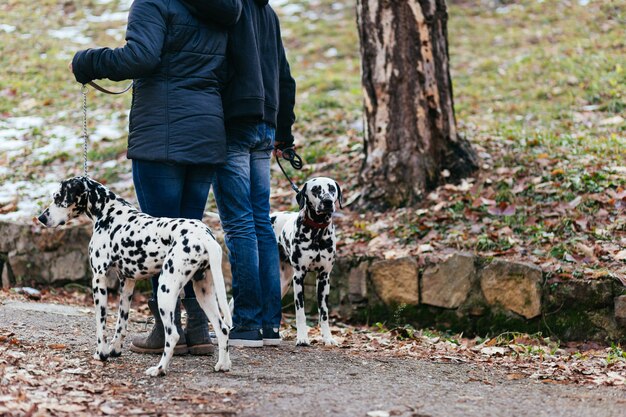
[[215, 257]]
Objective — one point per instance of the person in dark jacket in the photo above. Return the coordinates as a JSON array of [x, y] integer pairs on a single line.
[[258, 99], [176, 128]]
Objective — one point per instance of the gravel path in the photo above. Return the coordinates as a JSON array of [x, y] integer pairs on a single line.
[[286, 381]]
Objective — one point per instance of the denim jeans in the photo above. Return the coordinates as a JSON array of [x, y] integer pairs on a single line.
[[170, 190], [242, 193]]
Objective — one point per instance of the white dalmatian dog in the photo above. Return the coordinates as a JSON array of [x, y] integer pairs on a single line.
[[140, 246], [307, 242]]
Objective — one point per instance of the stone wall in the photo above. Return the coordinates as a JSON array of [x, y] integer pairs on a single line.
[[466, 293], [45, 255], [462, 293]]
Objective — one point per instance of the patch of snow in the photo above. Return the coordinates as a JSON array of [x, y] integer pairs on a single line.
[[7, 28], [73, 33], [331, 53], [105, 131], [583, 2], [109, 164], [31, 197], [125, 4], [118, 34], [311, 15], [108, 17], [290, 9], [25, 122], [7, 145], [60, 132], [58, 145]]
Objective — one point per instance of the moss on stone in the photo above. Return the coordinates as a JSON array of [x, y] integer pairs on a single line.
[[566, 324]]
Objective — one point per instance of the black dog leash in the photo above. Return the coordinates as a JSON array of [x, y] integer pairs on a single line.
[[296, 162]]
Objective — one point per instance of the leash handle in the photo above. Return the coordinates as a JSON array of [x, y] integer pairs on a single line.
[[294, 159], [104, 90]]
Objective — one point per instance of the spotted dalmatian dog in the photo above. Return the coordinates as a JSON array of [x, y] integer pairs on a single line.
[[140, 246], [307, 242]]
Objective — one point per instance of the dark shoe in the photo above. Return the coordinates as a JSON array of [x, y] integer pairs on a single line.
[[155, 340], [245, 338], [197, 332], [271, 337]]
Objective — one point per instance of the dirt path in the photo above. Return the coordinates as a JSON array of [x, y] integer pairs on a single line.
[[47, 361]]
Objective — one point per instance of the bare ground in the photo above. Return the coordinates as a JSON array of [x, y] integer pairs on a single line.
[[46, 369]]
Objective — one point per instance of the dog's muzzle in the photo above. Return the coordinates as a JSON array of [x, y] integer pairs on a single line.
[[327, 206]]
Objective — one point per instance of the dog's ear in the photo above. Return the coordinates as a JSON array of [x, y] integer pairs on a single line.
[[301, 197], [339, 195], [75, 187]]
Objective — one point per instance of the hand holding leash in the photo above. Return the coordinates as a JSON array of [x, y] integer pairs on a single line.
[[294, 159]]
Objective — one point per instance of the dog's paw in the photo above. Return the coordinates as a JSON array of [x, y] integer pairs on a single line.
[[329, 341], [223, 365], [155, 371], [302, 341], [101, 356], [115, 353]]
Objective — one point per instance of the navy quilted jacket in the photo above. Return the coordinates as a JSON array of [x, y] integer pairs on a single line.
[[178, 65], [260, 85]]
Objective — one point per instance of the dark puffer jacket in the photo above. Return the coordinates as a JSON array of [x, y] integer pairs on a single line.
[[260, 85], [178, 65]]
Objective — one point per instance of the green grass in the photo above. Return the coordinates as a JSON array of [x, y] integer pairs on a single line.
[[535, 86]]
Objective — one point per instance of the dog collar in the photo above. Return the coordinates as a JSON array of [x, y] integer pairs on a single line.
[[313, 224]]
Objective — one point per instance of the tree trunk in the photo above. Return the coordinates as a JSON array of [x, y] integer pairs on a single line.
[[411, 135]]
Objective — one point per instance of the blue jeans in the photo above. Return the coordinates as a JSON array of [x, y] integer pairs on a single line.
[[242, 193], [170, 190]]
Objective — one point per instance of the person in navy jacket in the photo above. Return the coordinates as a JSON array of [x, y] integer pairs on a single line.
[[176, 135], [259, 100]]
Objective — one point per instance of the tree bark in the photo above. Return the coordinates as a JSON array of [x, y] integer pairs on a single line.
[[411, 135]]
